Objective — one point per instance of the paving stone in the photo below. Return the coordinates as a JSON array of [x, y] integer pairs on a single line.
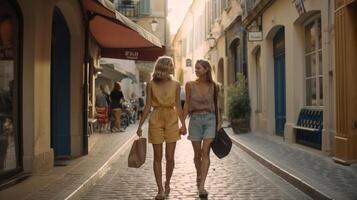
[[237, 176], [309, 165]]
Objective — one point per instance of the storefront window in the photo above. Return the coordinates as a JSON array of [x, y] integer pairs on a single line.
[[313, 64], [8, 89]]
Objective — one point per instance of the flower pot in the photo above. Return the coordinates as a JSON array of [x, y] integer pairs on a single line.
[[240, 125]]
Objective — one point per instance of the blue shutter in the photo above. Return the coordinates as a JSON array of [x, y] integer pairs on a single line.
[[144, 7]]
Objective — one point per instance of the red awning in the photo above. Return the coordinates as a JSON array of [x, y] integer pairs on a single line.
[[118, 36]]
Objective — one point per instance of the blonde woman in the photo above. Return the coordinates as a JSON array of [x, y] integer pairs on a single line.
[[163, 94], [202, 126]]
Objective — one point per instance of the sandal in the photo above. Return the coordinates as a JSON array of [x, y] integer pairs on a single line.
[[203, 193], [160, 196], [167, 189]]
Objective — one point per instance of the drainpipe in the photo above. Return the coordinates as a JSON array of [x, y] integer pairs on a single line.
[[86, 20], [85, 85], [332, 125]]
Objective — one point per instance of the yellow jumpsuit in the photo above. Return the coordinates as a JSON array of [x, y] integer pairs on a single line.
[[163, 121]]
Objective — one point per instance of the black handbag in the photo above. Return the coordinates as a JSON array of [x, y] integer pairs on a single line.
[[222, 144]]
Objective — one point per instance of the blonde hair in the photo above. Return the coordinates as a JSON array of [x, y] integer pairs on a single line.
[[205, 64], [162, 69]]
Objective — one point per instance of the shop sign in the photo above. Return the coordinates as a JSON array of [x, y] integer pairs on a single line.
[[188, 63], [133, 55], [299, 5], [255, 36]]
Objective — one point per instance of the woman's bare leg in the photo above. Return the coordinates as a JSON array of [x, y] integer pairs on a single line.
[[170, 163], [197, 158], [157, 166], [205, 162], [118, 120]]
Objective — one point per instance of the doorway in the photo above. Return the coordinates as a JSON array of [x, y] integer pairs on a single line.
[[60, 85], [279, 81]]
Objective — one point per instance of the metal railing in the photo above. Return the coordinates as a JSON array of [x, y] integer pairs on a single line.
[[128, 8]]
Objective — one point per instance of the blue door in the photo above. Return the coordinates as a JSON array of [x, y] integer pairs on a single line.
[[60, 86], [279, 82]]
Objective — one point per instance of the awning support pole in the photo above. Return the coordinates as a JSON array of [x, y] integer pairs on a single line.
[[85, 87]]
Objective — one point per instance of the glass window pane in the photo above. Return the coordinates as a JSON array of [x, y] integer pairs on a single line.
[[319, 35], [321, 91], [320, 63], [310, 69], [8, 135], [310, 37], [310, 92]]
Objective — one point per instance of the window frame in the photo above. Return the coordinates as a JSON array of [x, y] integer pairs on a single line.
[[315, 53]]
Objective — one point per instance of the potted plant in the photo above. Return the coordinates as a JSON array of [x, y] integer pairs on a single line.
[[239, 105]]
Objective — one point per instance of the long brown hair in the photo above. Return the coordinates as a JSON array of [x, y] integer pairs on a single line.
[[205, 64], [116, 86]]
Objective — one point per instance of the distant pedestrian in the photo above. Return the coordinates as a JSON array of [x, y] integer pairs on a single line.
[[116, 99], [141, 107], [163, 94], [102, 109], [202, 126], [182, 96], [135, 106]]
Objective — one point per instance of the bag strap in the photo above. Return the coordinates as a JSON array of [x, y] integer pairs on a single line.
[[215, 92]]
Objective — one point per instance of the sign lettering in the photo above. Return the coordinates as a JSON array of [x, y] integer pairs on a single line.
[[188, 62], [255, 36], [131, 55]]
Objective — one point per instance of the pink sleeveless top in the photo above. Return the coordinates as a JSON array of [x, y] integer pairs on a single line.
[[200, 101]]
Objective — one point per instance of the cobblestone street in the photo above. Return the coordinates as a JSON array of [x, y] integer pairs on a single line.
[[237, 176]]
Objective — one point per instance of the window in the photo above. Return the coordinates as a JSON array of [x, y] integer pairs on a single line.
[[207, 20], [144, 7], [224, 5], [9, 66], [313, 64]]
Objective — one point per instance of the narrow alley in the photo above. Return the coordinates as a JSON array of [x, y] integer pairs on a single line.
[[237, 176]]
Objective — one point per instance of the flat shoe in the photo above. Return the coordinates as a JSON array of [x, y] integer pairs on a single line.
[[160, 197], [203, 193]]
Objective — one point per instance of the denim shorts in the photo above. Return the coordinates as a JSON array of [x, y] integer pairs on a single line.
[[202, 126]]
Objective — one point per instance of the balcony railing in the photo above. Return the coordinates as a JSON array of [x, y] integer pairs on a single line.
[[252, 9], [128, 8]]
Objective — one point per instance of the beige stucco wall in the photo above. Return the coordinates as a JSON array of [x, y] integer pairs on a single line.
[[37, 19], [283, 13], [215, 54], [158, 11]]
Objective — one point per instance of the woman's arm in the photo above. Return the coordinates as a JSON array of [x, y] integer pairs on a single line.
[[187, 101], [146, 110], [179, 110]]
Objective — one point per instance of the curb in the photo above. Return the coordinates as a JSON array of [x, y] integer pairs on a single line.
[[86, 185], [292, 179]]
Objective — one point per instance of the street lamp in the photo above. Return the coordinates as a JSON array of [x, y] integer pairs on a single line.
[[154, 24], [211, 41]]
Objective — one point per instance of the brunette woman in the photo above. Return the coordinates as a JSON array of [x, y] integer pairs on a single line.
[[200, 106]]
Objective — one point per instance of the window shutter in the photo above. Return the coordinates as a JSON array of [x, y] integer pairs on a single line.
[[144, 7]]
